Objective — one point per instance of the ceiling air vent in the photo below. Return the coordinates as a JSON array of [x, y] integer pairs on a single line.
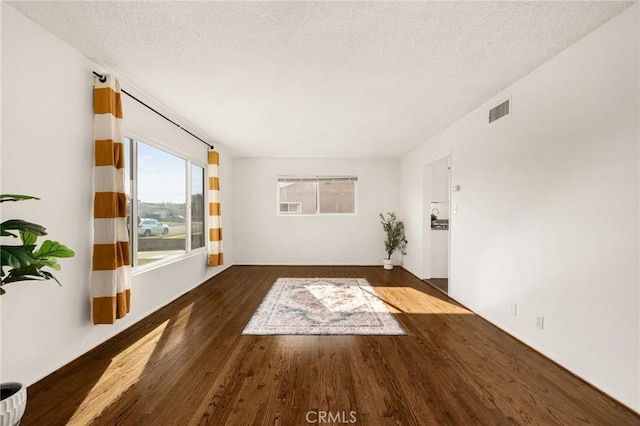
[[499, 111]]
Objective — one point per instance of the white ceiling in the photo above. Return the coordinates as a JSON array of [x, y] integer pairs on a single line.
[[320, 79]]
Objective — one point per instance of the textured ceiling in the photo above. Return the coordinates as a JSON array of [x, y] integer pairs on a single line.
[[320, 79]]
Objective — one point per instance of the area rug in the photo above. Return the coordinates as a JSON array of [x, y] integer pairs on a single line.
[[323, 306]]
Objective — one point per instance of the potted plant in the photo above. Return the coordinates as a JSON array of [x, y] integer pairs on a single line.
[[395, 240], [24, 262]]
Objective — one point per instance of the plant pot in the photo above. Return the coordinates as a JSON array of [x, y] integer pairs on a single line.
[[388, 264], [13, 402]]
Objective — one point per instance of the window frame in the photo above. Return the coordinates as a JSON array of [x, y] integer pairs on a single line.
[[317, 179], [205, 204], [132, 182]]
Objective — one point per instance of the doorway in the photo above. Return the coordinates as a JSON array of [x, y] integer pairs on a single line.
[[436, 214]]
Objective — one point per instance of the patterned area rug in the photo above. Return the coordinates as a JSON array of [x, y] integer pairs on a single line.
[[323, 306]]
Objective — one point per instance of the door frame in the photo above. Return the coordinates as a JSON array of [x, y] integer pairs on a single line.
[[426, 215]]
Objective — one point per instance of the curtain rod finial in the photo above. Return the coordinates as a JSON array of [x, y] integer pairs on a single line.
[[101, 77]]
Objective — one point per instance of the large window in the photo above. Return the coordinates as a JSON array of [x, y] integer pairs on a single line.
[[166, 198], [317, 195]]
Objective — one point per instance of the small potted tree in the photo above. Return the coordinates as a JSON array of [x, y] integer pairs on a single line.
[[22, 262], [395, 240]]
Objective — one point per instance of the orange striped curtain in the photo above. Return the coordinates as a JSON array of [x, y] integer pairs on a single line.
[[111, 271], [216, 257]]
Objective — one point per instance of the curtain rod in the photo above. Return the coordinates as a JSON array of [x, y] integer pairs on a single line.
[[103, 79]]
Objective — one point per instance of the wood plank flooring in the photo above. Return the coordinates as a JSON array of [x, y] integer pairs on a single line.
[[439, 283], [188, 364]]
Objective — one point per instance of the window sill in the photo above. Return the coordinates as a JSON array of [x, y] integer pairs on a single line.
[[138, 270]]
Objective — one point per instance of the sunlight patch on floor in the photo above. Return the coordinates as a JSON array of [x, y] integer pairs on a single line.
[[127, 367], [346, 298], [122, 373], [408, 300]]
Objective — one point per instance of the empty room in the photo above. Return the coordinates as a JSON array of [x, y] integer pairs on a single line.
[[291, 213]]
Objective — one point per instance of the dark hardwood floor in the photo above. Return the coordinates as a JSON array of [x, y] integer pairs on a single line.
[[439, 283], [188, 364]]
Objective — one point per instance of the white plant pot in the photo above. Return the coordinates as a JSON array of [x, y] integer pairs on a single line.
[[13, 403], [388, 264]]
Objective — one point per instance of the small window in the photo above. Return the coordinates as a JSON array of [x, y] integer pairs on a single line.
[[337, 195], [317, 195], [298, 196]]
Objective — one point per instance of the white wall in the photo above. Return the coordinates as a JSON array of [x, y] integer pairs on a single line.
[[535, 224], [263, 237], [47, 151]]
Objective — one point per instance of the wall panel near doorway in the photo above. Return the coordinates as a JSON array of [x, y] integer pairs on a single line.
[[548, 207]]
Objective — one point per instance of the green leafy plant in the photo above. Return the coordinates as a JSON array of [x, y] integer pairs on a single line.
[[26, 261], [394, 229]]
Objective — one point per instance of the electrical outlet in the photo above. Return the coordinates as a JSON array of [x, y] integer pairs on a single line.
[[514, 310], [540, 322]]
